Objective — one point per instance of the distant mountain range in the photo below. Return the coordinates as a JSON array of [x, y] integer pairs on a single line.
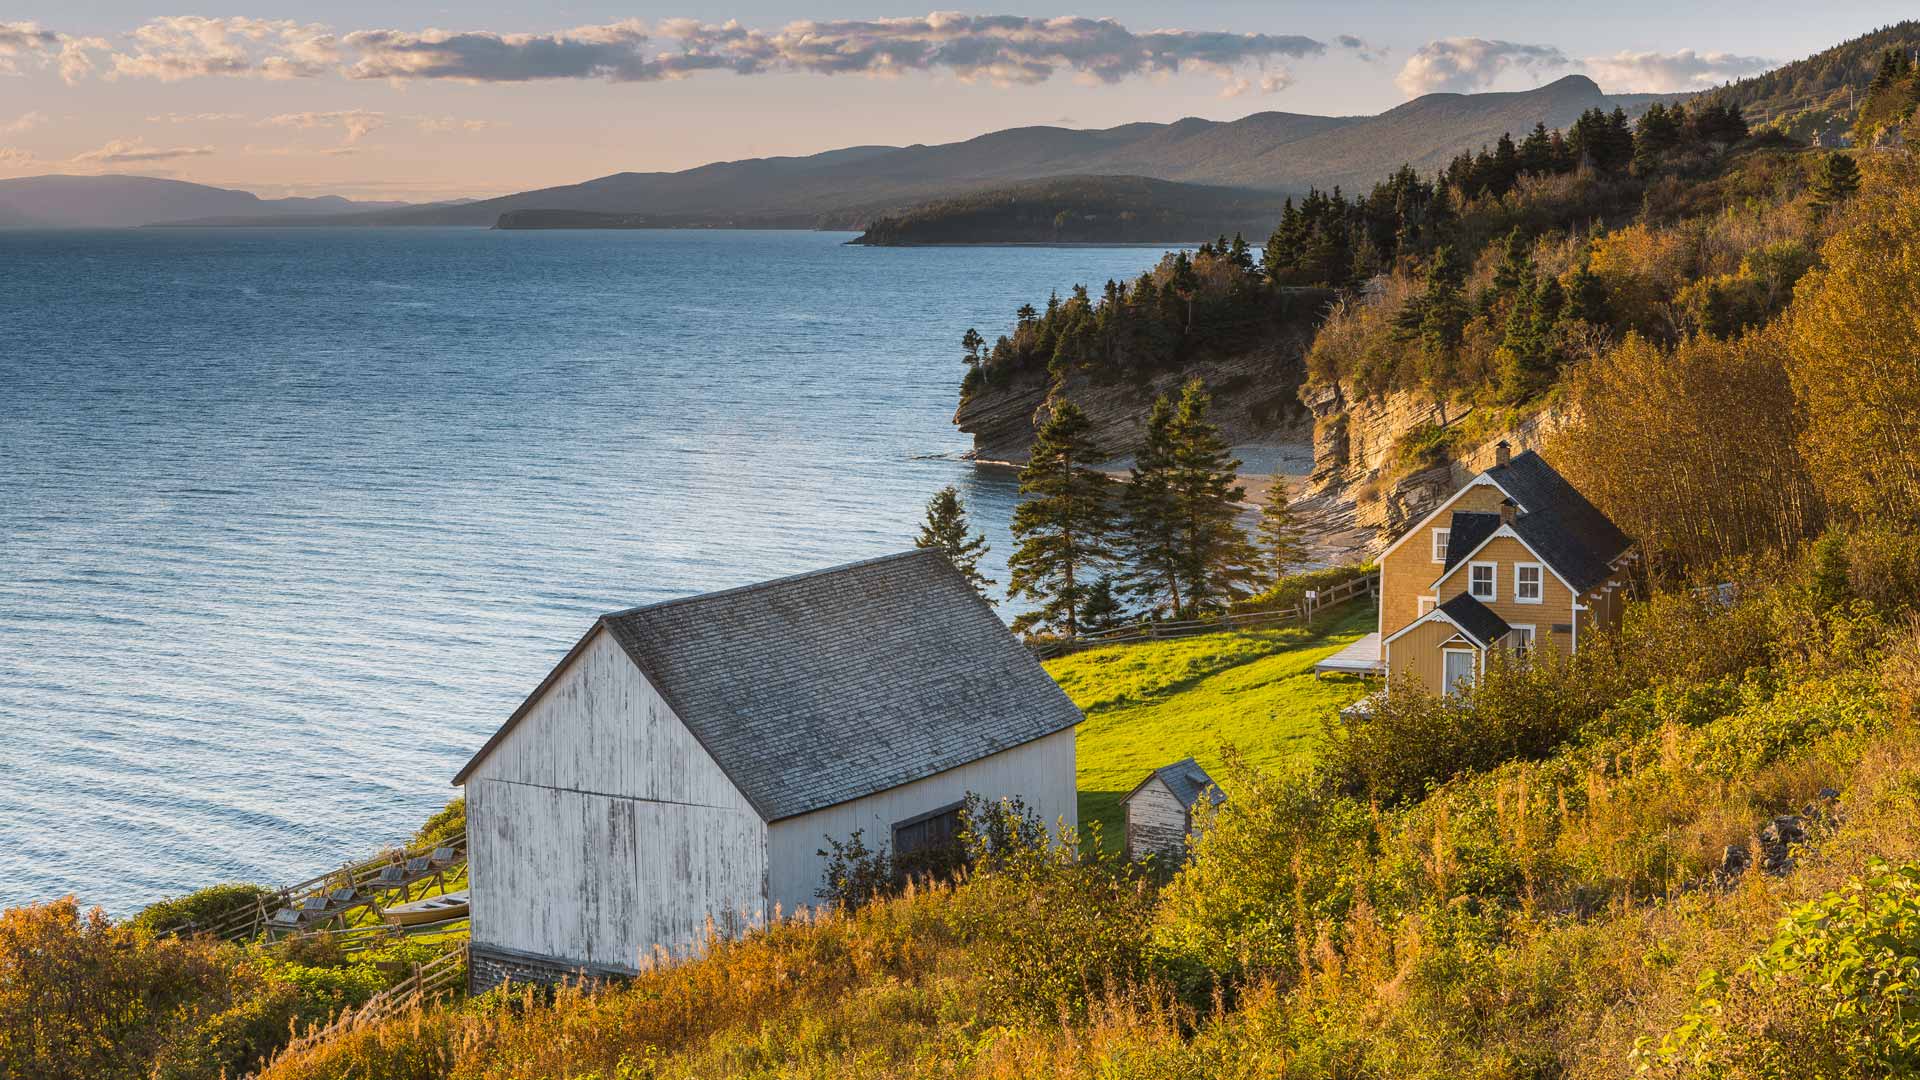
[[1267, 152], [112, 201]]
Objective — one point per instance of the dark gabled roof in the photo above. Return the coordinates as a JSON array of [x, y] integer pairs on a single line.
[[813, 690], [1466, 531], [1558, 523], [1187, 780], [1475, 619]]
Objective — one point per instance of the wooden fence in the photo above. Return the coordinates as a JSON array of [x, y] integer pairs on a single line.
[[326, 900], [1301, 613], [442, 975]]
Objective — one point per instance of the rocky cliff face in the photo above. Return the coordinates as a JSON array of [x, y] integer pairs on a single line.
[[1356, 499], [1356, 494]]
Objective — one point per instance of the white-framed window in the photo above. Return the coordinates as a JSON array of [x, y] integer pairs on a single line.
[[1529, 583], [1440, 544], [1457, 670], [1520, 640], [1483, 580], [1427, 603]]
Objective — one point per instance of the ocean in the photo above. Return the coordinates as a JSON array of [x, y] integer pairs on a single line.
[[290, 520]]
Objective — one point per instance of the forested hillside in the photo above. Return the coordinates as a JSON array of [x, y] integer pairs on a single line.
[[1079, 210], [1823, 93]]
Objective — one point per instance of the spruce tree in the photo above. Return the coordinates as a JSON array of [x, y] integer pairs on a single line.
[[1153, 542], [946, 531], [1514, 271], [1101, 609], [1283, 542], [1063, 530], [1839, 179], [1219, 562], [1438, 317]]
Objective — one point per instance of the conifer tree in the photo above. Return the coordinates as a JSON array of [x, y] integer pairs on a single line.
[[946, 531], [1101, 609], [1063, 530], [1219, 562], [1514, 271], [1437, 318], [1536, 152], [1283, 542], [1839, 179], [1153, 541]]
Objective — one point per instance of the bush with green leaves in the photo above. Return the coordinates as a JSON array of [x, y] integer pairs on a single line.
[[450, 821], [203, 906], [1835, 994]]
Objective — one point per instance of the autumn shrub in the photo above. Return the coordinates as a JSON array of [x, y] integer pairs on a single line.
[[1053, 924], [84, 999]]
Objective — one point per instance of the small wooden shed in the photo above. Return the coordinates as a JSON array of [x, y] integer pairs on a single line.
[[1160, 808], [687, 759]]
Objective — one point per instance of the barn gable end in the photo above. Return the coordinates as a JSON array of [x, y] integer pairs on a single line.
[[598, 825]]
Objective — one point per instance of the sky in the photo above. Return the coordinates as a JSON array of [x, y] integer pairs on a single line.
[[416, 102]]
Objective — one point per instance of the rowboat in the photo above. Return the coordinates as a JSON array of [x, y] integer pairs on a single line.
[[433, 909]]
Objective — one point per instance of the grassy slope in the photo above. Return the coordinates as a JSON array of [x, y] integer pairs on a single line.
[[1151, 704]]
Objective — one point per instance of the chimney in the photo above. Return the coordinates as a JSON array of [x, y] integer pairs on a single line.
[[1506, 507], [1502, 452]]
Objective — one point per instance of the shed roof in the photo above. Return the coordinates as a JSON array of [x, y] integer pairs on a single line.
[[813, 690], [1475, 619], [1187, 780]]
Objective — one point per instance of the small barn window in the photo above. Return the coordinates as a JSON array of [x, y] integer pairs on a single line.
[[934, 831], [1440, 544]]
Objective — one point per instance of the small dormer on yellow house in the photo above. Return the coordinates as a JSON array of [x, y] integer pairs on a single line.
[[1516, 560]]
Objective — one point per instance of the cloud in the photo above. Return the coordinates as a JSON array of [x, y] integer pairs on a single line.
[[26, 39], [12, 157], [1002, 49], [195, 118], [1266, 84], [356, 123], [192, 46], [1464, 65], [31, 41], [26, 122], [128, 151], [439, 124], [1657, 72], [1359, 47]]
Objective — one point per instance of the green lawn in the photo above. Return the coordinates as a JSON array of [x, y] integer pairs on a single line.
[[1151, 704]]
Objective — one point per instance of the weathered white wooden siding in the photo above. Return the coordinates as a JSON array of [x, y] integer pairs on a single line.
[[1156, 822], [599, 826], [1040, 772]]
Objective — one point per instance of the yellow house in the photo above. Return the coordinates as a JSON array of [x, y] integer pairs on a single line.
[[1517, 559]]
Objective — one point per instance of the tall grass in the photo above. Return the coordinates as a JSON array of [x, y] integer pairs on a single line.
[[1555, 912]]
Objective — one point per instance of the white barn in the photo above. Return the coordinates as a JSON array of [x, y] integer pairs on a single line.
[[686, 760]]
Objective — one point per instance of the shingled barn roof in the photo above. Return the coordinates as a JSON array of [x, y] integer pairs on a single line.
[[1187, 780], [813, 690]]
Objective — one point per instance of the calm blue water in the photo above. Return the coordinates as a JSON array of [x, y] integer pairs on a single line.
[[291, 520]]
